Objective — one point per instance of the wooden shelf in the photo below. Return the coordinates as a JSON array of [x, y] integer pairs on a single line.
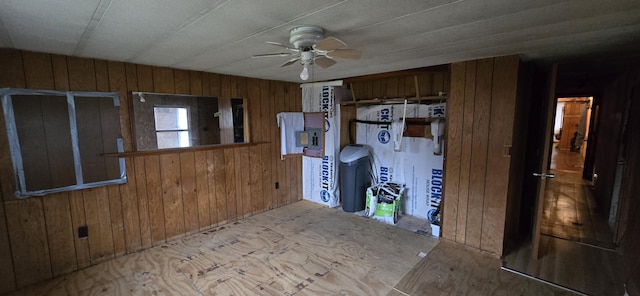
[[394, 100], [186, 149]]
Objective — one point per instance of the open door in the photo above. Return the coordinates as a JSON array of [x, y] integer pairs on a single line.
[[545, 152]]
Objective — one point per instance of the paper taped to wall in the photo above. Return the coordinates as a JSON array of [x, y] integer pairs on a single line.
[[414, 165]]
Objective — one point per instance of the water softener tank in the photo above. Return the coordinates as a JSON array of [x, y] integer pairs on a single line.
[[354, 177]]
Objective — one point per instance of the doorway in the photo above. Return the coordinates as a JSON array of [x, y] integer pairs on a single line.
[[570, 211], [575, 243]]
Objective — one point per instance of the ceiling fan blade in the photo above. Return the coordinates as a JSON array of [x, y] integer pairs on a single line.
[[329, 43], [353, 54], [324, 62], [281, 45], [291, 61], [277, 54]]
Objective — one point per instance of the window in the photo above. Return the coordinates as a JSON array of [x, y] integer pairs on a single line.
[[57, 140], [172, 127], [162, 121]]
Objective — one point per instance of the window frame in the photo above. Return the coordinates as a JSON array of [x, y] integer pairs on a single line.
[[16, 152], [188, 129]]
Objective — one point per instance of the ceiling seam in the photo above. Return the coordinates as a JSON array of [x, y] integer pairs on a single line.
[[97, 16], [546, 25], [464, 54], [404, 16], [203, 13], [4, 34]]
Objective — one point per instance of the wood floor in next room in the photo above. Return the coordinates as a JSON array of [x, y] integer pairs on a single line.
[[302, 249], [576, 244]]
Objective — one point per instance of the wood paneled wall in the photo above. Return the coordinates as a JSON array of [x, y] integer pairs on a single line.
[[480, 124], [167, 196], [625, 91]]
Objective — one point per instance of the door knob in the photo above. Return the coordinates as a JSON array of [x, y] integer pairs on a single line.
[[543, 176]]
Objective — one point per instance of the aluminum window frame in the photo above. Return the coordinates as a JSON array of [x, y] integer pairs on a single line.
[[16, 152]]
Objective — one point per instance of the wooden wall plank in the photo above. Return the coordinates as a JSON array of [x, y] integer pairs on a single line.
[[230, 185], [130, 209], [189, 192], [255, 154], [438, 83], [117, 221], [62, 249], [12, 74], [265, 149], [7, 277], [239, 181], [181, 83], [274, 158], [97, 213], [38, 71], [131, 76], [202, 189], [76, 203], [154, 195], [102, 75], [81, 74], [118, 83], [466, 150], [123, 199], [29, 244], [216, 174], [163, 80], [60, 72], [245, 167], [392, 87], [215, 85], [503, 102], [143, 201], [478, 166], [455, 113], [145, 78], [172, 195], [255, 177], [424, 83], [195, 83], [206, 84]]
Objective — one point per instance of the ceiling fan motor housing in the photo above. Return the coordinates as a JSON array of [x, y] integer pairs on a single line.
[[305, 36]]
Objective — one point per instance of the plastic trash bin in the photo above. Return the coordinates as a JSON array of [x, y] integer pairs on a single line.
[[354, 177]]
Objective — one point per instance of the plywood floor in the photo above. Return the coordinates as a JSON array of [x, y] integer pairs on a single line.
[[454, 269], [302, 249]]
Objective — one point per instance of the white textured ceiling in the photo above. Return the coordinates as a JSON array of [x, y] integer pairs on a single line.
[[221, 36]]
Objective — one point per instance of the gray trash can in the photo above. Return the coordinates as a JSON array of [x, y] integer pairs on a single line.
[[354, 177]]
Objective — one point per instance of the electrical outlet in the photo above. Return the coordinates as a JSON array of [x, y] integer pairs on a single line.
[[83, 231], [277, 185]]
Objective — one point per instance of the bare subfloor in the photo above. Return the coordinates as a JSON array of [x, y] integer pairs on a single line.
[[454, 269], [302, 248], [299, 249]]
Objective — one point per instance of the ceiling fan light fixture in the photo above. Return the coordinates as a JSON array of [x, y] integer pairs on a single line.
[[304, 75], [305, 36]]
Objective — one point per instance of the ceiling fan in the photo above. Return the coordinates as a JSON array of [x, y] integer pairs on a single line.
[[309, 46]]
